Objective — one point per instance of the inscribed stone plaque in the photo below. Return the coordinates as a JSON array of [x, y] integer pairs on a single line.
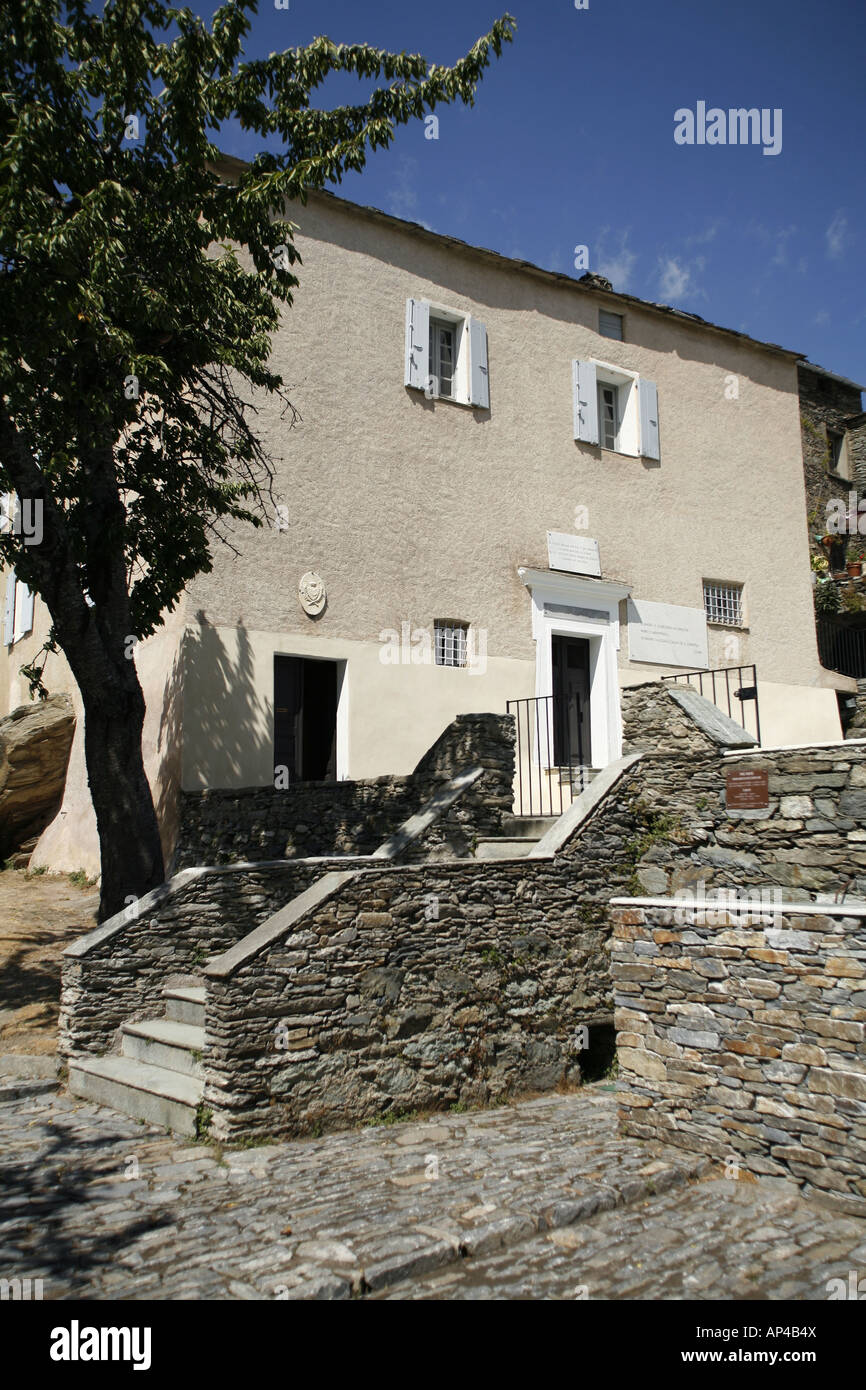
[[747, 789], [667, 634], [576, 554]]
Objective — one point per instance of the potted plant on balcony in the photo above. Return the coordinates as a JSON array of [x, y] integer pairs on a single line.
[[854, 566]]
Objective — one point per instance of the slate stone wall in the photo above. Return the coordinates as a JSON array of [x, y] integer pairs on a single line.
[[411, 988], [743, 1038], [121, 978], [330, 818]]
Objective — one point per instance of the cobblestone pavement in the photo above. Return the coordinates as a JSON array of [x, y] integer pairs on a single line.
[[529, 1200]]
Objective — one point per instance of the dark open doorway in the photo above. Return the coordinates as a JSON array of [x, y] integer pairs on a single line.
[[571, 730], [305, 718]]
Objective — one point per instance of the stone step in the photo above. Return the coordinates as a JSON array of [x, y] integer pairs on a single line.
[[163, 1042], [155, 1094], [524, 827], [185, 1004], [505, 846]]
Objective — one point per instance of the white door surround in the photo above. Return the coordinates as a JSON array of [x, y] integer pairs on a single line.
[[574, 606]]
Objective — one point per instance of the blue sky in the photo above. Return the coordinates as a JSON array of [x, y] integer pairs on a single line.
[[571, 142]]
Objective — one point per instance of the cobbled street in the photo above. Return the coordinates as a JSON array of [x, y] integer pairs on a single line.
[[541, 1199]]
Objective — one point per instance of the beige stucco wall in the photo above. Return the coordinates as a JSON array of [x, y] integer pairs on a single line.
[[412, 509]]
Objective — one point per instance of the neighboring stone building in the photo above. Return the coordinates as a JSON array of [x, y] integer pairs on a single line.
[[507, 484], [834, 449]]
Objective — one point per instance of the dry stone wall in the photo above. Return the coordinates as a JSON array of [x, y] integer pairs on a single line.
[[331, 818], [409, 988], [742, 1037]]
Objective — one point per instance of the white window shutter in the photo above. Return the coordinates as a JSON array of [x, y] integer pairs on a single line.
[[417, 343], [479, 384], [28, 602], [9, 609], [585, 402], [649, 419]]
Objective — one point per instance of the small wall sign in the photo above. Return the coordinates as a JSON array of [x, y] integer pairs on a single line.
[[747, 789]]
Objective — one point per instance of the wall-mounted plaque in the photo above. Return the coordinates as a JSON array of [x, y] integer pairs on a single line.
[[747, 789], [667, 634], [576, 554]]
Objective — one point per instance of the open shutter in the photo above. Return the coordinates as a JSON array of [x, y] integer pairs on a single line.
[[417, 343], [479, 386], [585, 402], [27, 602], [9, 609], [649, 419]]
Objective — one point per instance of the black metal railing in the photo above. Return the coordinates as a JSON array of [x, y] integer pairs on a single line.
[[550, 753], [730, 689], [842, 648]]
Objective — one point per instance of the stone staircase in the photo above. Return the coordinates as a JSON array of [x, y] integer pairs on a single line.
[[520, 834], [157, 1076]]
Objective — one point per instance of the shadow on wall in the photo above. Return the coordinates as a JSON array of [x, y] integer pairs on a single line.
[[169, 744], [223, 711]]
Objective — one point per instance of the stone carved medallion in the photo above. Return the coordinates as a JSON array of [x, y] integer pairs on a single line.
[[312, 594]]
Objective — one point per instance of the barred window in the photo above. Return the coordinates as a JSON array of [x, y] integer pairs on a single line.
[[451, 643], [723, 603]]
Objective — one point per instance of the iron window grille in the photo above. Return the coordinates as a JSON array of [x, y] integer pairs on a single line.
[[451, 643], [724, 603]]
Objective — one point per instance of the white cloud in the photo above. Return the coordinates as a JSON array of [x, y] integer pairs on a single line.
[[677, 278], [616, 263], [837, 236], [821, 317]]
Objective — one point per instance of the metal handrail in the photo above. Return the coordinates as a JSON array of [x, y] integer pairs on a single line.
[[537, 717], [746, 694]]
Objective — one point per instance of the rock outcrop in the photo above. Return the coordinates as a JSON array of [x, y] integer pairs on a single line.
[[35, 741]]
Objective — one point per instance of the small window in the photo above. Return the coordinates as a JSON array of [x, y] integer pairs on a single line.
[[723, 603], [608, 415], [451, 643], [610, 325], [442, 356], [838, 455]]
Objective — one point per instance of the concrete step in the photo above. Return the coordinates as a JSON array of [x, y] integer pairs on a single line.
[[163, 1042], [525, 827], [505, 846], [162, 1097], [185, 1004]]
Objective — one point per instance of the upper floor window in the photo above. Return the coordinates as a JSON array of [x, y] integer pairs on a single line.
[[610, 325], [838, 452], [608, 415], [442, 355], [446, 354], [18, 610], [451, 643], [723, 603], [616, 409]]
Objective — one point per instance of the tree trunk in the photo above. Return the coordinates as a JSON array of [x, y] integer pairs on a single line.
[[129, 841]]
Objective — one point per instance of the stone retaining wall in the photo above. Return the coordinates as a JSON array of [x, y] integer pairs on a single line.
[[743, 1039], [120, 969], [330, 818], [666, 825], [415, 987]]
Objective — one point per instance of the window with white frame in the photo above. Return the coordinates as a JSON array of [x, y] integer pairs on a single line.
[[723, 603], [608, 415], [610, 325], [615, 409], [442, 355], [446, 354], [18, 610], [451, 642]]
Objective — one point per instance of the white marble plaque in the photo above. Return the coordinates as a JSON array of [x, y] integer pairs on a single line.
[[667, 634], [576, 554]]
